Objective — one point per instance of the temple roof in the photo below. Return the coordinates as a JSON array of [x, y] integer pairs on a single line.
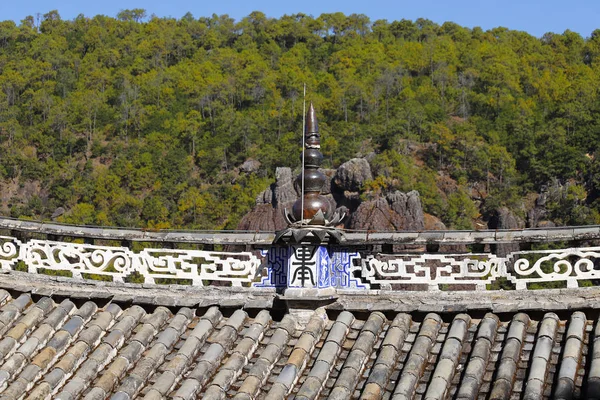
[[216, 324], [75, 342]]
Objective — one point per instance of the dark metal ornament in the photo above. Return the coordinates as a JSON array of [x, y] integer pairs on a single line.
[[312, 208]]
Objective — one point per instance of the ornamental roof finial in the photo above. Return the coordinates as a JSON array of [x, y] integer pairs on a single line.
[[312, 208]]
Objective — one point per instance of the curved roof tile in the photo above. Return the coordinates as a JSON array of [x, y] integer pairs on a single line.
[[88, 350]]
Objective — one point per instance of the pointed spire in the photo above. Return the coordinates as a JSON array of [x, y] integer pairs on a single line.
[[312, 211], [311, 122]]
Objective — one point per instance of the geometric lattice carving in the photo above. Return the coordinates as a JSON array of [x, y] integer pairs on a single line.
[[120, 262], [198, 265], [275, 265], [521, 268], [342, 268], [434, 269]]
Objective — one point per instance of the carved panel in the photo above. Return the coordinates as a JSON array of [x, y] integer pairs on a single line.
[[198, 266], [345, 266], [10, 252], [275, 262], [304, 264], [569, 265], [76, 258], [307, 266], [433, 269], [120, 262]]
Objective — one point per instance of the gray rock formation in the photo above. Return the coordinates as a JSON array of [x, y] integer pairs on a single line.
[[283, 188], [268, 213], [506, 219], [408, 207], [373, 215], [397, 211], [249, 166], [352, 175], [329, 173], [348, 181], [536, 217], [261, 218], [57, 213]]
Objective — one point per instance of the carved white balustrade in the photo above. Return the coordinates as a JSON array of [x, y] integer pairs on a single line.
[[117, 262], [569, 265], [349, 269], [520, 268], [10, 252], [198, 265], [434, 270], [83, 260]]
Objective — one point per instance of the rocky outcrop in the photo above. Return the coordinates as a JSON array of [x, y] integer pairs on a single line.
[[409, 209], [396, 211], [267, 215], [433, 223], [249, 166], [373, 215], [506, 219], [57, 213], [261, 218], [348, 180], [545, 224], [392, 212], [329, 174], [352, 175], [537, 216], [283, 188]]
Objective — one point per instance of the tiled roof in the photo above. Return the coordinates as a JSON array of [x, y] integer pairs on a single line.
[[72, 349]]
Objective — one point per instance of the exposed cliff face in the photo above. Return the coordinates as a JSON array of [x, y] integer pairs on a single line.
[[395, 211], [261, 218], [506, 219], [267, 215], [352, 175], [283, 189]]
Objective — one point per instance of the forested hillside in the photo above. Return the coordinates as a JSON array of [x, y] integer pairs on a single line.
[[150, 122]]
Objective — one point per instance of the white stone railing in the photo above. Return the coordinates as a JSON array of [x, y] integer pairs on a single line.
[[521, 268], [339, 267], [434, 270], [82, 260]]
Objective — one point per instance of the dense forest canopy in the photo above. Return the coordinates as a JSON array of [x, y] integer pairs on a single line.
[[145, 121]]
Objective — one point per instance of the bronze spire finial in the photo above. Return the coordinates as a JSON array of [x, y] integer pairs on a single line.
[[311, 121], [312, 208]]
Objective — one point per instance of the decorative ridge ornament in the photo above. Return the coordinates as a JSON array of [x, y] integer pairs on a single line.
[[312, 209]]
